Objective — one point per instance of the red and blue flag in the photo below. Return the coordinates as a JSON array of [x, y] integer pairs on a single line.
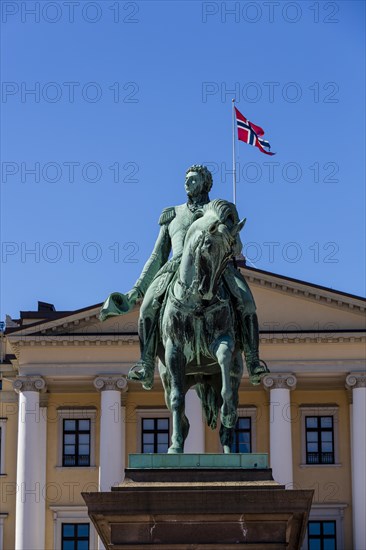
[[251, 133]]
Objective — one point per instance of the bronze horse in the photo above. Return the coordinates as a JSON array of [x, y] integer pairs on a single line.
[[198, 342]]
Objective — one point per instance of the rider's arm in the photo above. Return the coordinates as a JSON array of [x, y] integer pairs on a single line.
[[159, 255]]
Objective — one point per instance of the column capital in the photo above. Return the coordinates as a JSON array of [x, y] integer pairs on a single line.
[[279, 380], [356, 380], [29, 383], [111, 382]]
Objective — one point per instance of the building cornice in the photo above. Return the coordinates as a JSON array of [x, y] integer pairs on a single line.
[[303, 290]]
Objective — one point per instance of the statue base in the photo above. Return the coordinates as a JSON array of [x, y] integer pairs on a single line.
[[184, 506]]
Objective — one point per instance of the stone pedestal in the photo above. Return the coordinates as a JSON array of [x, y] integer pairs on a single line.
[[200, 507]]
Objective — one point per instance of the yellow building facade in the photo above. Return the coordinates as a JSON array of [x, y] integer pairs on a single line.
[[69, 418]]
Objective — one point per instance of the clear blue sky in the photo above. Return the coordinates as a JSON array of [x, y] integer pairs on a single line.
[[130, 94]]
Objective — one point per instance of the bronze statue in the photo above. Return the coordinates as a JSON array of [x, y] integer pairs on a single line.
[[161, 274]]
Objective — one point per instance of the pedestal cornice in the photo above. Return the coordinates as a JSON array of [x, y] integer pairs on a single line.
[[29, 383], [109, 383], [356, 380], [281, 380]]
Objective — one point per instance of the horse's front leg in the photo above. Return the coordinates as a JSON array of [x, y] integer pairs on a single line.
[[176, 365], [224, 355]]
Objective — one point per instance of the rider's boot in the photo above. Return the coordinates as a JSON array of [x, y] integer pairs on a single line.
[[256, 367], [143, 370]]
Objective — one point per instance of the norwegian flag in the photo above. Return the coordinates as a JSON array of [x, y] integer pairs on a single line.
[[251, 133]]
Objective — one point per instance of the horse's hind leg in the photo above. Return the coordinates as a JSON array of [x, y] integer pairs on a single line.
[[226, 438], [224, 354], [175, 363]]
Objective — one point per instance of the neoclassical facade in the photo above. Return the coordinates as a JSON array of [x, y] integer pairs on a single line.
[[69, 418]]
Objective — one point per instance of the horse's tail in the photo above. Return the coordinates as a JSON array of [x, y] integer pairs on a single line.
[[210, 403]]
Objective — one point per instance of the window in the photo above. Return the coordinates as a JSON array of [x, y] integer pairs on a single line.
[[76, 442], [76, 437], [319, 440], [319, 435], [73, 529], [322, 535], [75, 536], [242, 439], [155, 435], [325, 527]]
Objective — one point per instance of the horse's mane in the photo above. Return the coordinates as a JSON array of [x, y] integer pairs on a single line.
[[225, 210]]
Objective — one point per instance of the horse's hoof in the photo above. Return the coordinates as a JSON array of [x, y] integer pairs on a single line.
[[175, 450], [257, 372], [144, 373]]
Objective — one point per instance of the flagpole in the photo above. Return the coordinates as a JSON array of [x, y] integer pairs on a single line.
[[234, 155]]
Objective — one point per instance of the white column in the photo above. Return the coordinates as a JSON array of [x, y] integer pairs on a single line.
[[112, 445], [30, 504], [112, 433], [357, 382], [195, 442], [280, 385]]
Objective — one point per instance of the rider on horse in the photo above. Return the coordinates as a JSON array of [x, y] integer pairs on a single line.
[[159, 271]]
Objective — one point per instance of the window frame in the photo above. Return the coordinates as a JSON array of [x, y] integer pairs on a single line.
[[322, 536], [71, 514], [155, 431], [76, 413], [77, 432], [320, 410], [319, 430], [328, 512], [156, 412], [251, 412], [67, 539], [237, 431]]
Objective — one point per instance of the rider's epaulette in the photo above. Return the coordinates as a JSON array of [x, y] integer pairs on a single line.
[[167, 215]]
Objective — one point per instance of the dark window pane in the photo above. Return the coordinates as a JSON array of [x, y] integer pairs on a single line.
[[163, 423], [311, 421], [314, 528], [163, 438], [68, 529], [244, 448], [148, 449], [312, 447], [327, 447], [69, 449], [163, 448], [83, 449], [84, 425], [83, 545], [314, 544], [312, 436], [83, 530], [84, 438], [244, 437], [328, 527], [326, 421], [68, 545], [70, 425], [148, 438], [147, 423], [70, 438], [244, 423]]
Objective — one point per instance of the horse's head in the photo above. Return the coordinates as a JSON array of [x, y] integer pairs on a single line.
[[209, 244]]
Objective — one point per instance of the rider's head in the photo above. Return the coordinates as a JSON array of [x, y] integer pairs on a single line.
[[198, 174]]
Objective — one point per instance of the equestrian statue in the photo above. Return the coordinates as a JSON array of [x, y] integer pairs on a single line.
[[197, 312]]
